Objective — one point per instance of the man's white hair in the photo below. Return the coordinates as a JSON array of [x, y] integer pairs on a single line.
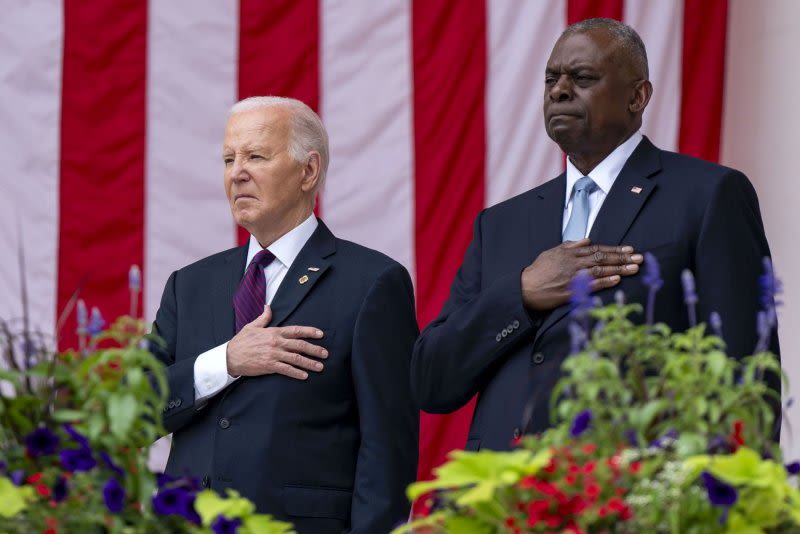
[[307, 135]]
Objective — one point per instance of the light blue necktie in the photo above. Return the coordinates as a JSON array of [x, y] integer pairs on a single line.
[[579, 218]]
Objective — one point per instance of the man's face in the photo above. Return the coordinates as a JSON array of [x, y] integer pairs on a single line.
[[264, 185], [588, 92]]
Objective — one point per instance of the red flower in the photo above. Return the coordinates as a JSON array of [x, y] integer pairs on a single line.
[[551, 466], [589, 467], [592, 491], [42, 490], [34, 478], [589, 448], [527, 482], [570, 479], [50, 531], [635, 467], [510, 522], [736, 437], [602, 511]]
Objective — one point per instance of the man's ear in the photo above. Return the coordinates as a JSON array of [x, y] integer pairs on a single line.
[[642, 92], [310, 173]]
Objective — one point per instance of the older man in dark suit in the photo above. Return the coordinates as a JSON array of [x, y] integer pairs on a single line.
[[288, 358], [503, 332]]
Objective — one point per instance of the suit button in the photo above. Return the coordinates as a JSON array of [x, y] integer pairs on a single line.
[[515, 324], [498, 338], [224, 423], [205, 481], [171, 404], [177, 402], [517, 433], [504, 333], [538, 358]]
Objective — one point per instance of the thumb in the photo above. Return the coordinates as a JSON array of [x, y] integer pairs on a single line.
[[263, 320]]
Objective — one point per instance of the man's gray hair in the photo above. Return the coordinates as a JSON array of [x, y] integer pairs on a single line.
[[307, 135], [626, 37]]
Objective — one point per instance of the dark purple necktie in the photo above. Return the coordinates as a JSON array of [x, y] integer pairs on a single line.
[[249, 300]]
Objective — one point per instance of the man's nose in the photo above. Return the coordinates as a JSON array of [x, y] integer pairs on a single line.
[[561, 90], [237, 171]]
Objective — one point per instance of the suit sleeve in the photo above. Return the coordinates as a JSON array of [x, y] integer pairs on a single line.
[[383, 339], [729, 253], [180, 407], [459, 350]]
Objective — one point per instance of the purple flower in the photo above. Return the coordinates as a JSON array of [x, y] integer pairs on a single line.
[[60, 489], [689, 295], [41, 442], [793, 468], [111, 465], [176, 501], [632, 437], [719, 444], [652, 279], [719, 492], [3, 466], [75, 460], [114, 496], [83, 315], [162, 479], [17, 477], [581, 423], [222, 525], [716, 323], [581, 293], [79, 438], [770, 285], [96, 322], [670, 436], [577, 337]]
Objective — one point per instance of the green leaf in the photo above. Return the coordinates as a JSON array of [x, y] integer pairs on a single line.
[[13, 499], [121, 414], [210, 505], [68, 416]]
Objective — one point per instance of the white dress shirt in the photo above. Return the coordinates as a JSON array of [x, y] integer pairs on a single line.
[[211, 367], [603, 175]]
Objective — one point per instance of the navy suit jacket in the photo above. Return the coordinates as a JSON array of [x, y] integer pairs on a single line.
[[690, 214], [333, 453]]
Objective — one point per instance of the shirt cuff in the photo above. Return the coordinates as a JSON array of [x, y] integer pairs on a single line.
[[211, 373]]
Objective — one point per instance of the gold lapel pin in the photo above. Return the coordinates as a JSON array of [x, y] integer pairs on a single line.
[[636, 189], [313, 269], [303, 279]]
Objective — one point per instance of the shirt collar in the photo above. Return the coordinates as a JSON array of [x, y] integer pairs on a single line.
[[607, 170], [288, 246]]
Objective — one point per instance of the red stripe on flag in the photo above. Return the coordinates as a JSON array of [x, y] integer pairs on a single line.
[[578, 10], [703, 77], [449, 61], [279, 52], [102, 154]]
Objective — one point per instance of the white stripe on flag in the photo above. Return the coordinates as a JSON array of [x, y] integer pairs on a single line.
[[31, 38], [520, 155], [191, 83], [366, 106], [660, 24]]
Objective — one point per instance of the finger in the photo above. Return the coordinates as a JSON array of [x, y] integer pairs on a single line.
[[285, 369], [590, 250], [299, 332], [300, 362], [610, 258], [604, 283], [603, 271], [304, 347], [263, 320]]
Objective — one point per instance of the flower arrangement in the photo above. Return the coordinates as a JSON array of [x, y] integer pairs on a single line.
[[75, 427], [654, 431]]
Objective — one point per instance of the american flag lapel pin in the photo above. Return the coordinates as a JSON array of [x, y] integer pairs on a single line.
[[636, 189], [303, 279]]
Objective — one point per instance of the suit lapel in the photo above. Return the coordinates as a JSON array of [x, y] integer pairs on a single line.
[[545, 219], [299, 280], [223, 292], [627, 196]]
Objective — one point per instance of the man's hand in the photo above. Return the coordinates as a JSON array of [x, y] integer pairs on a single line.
[[545, 282], [257, 350]]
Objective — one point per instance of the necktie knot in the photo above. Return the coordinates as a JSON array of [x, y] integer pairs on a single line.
[[263, 258], [585, 184]]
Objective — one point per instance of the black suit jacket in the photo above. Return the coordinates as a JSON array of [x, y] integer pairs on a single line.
[[689, 213], [333, 453]]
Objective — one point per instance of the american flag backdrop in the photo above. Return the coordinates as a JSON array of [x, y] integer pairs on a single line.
[[112, 112]]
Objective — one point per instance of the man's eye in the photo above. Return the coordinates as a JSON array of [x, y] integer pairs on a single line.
[[228, 161], [255, 156]]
